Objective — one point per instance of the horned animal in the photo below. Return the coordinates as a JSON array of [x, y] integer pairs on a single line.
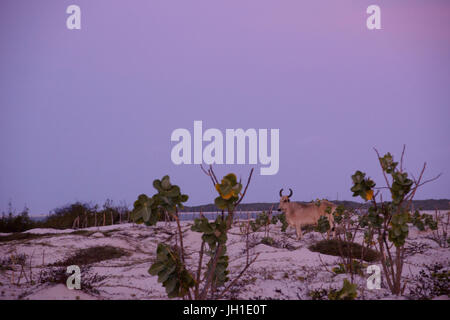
[[298, 214]]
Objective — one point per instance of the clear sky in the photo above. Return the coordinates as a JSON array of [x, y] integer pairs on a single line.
[[87, 114]]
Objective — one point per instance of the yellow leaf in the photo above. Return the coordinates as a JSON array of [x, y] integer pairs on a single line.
[[224, 196], [227, 196], [369, 195]]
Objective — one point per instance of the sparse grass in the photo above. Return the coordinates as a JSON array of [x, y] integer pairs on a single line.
[[318, 294], [7, 262], [331, 247], [19, 236], [109, 232], [92, 255], [86, 233], [347, 292], [268, 241], [24, 236], [58, 275], [308, 228], [4, 266], [356, 268], [276, 243], [31, 236], [433, 281]]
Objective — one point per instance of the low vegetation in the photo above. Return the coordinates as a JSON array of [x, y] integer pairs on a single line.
[[331, 247], [433, 281], [347, 292], [83, 215], [210, 279], [12, 222], [20, 236], [92, 255], [384, 224], [376, 231], [71, 216], [429, 204], [55, 275]]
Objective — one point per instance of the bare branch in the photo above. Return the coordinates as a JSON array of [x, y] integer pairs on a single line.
[[417, 183], [199, 270], [239, 276], [430, 180], [208, 174], [401, 159], [245, 190], [212, 269], [211, 171]]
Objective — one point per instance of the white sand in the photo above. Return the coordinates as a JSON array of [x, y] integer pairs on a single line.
[[277, 273]]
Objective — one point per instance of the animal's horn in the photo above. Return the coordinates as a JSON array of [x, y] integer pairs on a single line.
[[281, 192], [290, 193]]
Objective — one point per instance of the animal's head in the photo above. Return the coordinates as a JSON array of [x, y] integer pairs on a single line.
[[284, 200]]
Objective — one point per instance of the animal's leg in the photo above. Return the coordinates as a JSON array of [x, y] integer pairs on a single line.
[[334, 233], [333, 227], [328, 232], [289, 228], [298, 228]]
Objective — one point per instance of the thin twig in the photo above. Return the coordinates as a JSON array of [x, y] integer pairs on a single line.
[[238, 277], [211, 271], [208, 174], [213, 174], [401, 159], [245, 190], [199, 270]]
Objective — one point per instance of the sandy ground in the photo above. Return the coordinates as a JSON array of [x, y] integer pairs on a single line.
[[278, 273]]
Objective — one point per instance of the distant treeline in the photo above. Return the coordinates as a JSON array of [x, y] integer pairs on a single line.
[[82, 215], [12, 222], [75, 215], [431, 204]]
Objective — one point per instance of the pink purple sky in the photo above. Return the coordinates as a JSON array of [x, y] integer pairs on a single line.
[[87, 114]]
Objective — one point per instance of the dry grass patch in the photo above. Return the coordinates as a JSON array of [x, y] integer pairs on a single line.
[[92, 255], [25, 236], [331, 247]]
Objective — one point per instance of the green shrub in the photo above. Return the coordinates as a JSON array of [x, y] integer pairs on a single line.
[[262, 220], [357, 268], [171, 272], [90, 215], [268, 241], [347, 292], [170, 265], [12, 222], [390, 218], [63, 217]]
